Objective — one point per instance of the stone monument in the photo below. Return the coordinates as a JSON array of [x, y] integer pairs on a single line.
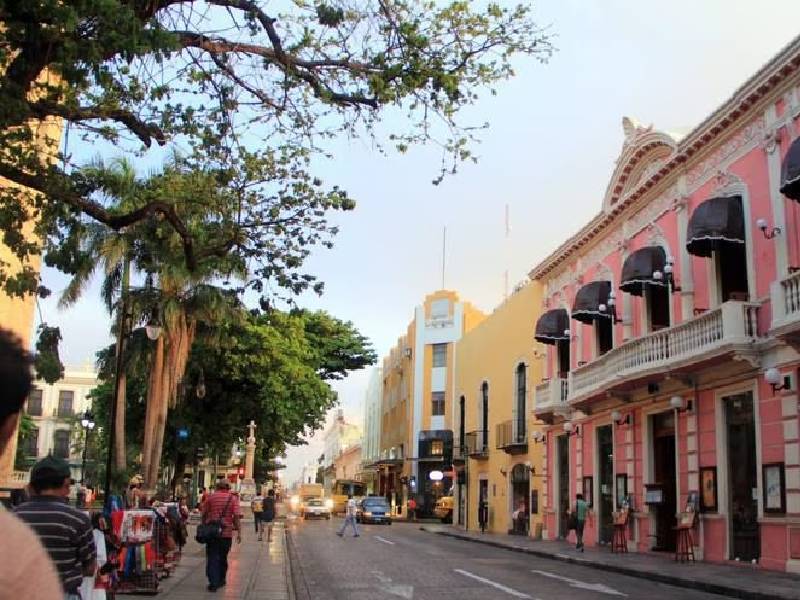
[[247, 489]]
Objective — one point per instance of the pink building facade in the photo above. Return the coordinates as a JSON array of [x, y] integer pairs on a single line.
[[670, 333]]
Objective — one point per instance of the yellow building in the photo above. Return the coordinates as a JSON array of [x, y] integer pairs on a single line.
[[418, 404], [497, 369], [16, 314]]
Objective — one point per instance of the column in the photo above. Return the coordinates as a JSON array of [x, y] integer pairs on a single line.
[[686, 275], [772, 150]]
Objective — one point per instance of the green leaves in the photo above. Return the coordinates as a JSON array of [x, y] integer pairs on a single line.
[[47, 362]]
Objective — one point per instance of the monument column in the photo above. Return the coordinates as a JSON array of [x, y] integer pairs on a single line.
[[247, 488]]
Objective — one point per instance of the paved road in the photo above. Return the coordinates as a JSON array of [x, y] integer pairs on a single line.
[[399, 561]]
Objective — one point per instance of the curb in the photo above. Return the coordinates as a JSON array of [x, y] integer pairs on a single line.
[[296, 582], [681, 582]]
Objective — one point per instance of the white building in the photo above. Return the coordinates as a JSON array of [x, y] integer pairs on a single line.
[[56, 411], [340, 436], [309, 473]]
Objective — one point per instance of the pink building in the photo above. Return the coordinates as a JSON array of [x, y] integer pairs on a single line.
[[671, 326]]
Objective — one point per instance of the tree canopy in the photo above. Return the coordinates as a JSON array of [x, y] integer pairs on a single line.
[[246, 92]]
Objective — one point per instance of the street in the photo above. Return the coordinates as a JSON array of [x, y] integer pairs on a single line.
[[400, 561]]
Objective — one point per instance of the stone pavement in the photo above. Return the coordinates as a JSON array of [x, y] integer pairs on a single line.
[[255, 570], [734, 580]]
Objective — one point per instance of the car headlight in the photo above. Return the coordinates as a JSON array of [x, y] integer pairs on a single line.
[[328, 503], [295, 500], [368, 514]]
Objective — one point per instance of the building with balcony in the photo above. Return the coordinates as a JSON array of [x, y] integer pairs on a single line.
[[56, 412], [496, 371], [340, 436], [418, 404], [371, 443], [670, 324]]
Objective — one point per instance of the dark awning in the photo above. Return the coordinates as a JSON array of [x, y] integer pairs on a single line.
[[588, 300], [715, 223], [790, 172], [551, 326], [637, 271]]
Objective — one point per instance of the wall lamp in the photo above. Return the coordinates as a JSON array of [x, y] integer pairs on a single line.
[[610, 307], [680, 404], [503, 471], [768, 232], [617, 417], [776, 380], [539, 437], [668, 275], [571, 428]]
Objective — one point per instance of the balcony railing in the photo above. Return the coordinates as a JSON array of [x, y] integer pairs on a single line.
[[552, 395], [477, 444], [785, 297], [512, 435], [459, 450], [734, 323]]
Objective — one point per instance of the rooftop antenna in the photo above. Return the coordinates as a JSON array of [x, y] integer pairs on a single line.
[[444, 245], [505, 275]]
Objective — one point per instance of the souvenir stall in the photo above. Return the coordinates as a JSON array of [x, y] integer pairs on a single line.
[[137, 570]]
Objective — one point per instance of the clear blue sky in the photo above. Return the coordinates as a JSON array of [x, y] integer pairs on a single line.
[[555, 134]]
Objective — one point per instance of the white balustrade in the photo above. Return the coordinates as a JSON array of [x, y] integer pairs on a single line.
[[785, 297], [552, 394], [731, 323]]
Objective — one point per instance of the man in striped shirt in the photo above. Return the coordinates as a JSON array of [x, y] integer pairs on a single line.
[[65, 532], [221, 506]]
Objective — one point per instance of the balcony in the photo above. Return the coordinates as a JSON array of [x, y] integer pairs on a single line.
[[785, 299], [512, 436], [730, 329], [477, 445], [459, 451], [551, 398]]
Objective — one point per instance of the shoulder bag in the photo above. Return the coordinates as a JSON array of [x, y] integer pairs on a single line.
[[208, 532]]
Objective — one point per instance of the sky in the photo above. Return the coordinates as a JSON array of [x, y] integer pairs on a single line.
[[556, 131]]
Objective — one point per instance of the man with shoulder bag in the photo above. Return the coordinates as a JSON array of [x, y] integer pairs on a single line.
[[220, 520]]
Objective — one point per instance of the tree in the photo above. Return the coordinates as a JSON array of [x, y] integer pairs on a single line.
[[251, 90]]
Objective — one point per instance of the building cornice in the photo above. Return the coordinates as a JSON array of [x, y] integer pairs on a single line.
[[732, 112]]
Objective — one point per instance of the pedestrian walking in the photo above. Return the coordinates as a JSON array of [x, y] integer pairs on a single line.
[[257, 506], [65, 531], [412, 509], [349, 517], [483, 514], [94, 588], [26, 570], [581, 508], [221, 506], [268, 514]]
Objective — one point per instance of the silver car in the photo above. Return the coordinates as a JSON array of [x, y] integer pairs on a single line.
[[316, 509]]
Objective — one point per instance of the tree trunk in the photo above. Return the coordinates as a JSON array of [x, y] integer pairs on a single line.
[[153, 400], [120, 451], [120, 406]]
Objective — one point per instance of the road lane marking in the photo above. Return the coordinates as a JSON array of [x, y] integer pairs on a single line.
[[404, 591], [384, 540], [581, 585], [494, 584]]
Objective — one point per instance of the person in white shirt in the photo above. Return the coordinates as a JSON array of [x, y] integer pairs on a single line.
[[349, 517]]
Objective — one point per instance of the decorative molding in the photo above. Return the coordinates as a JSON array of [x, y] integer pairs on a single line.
[[728, 184], [740, 144], [772, 140], [651, 212]]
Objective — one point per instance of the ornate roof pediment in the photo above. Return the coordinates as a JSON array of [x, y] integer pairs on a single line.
[[644, 152]]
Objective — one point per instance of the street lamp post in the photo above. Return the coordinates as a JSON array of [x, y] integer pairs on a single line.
[[153, 330], [87, 422]]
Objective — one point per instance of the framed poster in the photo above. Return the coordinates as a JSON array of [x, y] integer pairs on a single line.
[[774, 488], [622, 489], [534, 502], [588, 486], [708, 489]]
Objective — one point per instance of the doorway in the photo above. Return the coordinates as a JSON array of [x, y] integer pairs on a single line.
[[605, 334], [483, 503], [562, 443], [732, 269], [742, 477], [664, 475], [563, 358], [658, 305], [520, 494], [605, 454]]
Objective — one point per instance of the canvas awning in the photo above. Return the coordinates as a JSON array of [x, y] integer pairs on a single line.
[[715, 223], [638, 269], [586, 307], [551, 326], [790, 172]]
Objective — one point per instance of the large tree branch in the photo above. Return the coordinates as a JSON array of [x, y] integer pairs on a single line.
[[59, 190], [298, 68], [146, 132]]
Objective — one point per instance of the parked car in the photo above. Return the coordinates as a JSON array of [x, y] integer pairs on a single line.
[[316, 508], [374, 509], [444, 509]]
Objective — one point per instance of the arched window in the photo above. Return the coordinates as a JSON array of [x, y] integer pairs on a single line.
[[519, 432]]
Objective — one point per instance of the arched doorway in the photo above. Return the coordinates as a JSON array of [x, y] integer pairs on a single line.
[[520, 498]]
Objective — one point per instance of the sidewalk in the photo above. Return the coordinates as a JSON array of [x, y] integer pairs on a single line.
[[737, 581], [255, 570]]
